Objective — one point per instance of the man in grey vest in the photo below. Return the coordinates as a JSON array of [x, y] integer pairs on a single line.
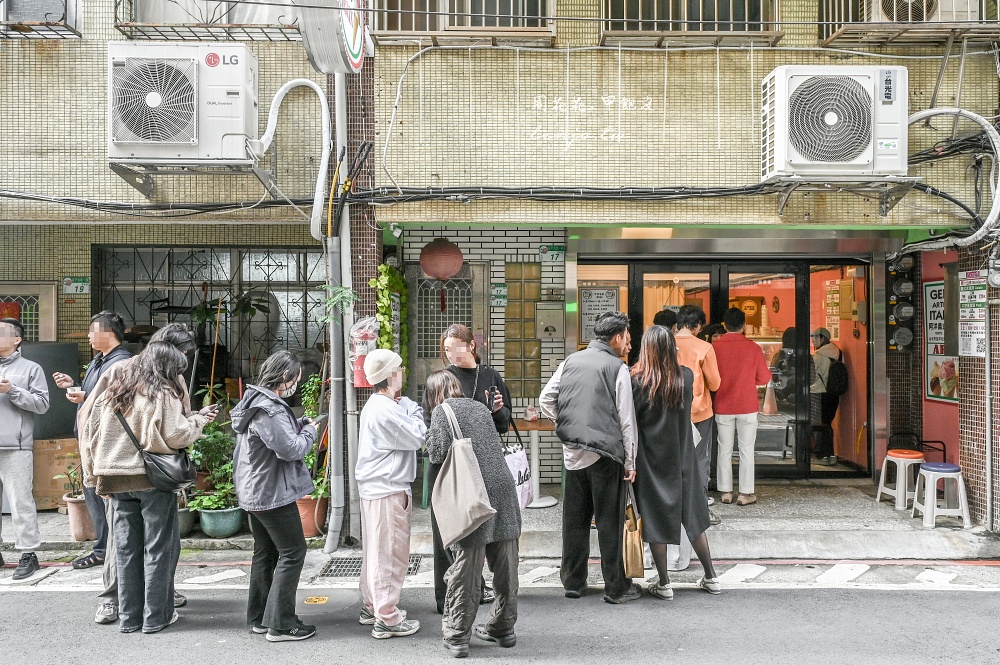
[[590, 399]]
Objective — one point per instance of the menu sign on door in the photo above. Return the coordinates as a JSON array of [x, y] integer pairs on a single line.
[[972, 313], [593, 303]]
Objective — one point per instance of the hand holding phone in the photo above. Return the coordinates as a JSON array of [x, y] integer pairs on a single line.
[[494, 399], [319, 422]]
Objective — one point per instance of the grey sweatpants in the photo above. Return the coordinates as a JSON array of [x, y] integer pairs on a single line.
[[110, 593], [464, 580], [17, 469]]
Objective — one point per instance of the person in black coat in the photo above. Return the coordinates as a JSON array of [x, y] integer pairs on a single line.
[[668, 490]]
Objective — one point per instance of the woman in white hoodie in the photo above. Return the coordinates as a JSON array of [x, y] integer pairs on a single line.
[[391, 432]]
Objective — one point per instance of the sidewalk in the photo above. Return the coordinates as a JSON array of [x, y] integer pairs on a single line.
[[800, 519]]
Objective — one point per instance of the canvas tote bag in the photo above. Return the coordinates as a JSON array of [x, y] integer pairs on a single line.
[[459, 498], [520, 470], [632, 538]]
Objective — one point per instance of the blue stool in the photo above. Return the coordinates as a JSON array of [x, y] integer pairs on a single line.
[[956, 503]]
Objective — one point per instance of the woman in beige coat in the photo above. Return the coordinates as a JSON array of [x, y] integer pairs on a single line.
[[147, 394]]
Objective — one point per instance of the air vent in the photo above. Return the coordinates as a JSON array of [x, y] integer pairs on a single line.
[[155, 101], [830, 119], [909, 11]]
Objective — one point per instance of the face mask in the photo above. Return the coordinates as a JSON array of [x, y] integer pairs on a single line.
[[288, 392]]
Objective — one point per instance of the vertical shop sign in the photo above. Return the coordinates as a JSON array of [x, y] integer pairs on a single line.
[[941, 371], [833, 308], [395, 313], [593, 303], [972, 313]]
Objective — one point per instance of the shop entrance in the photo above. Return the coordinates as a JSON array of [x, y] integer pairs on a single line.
[[800, 433]]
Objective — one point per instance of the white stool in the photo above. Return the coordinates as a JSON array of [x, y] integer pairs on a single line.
[[956, 503], [904, 488]]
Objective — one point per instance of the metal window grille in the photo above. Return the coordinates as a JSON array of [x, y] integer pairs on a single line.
[[879, 22], [688, 15], [25, 308], [39, 19], [197, 20], [153, 285], [396, 15], [439, 305]]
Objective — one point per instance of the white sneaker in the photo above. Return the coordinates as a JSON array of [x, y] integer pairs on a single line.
[[106, 613], [710, 585], [664, 591], [711, 501]]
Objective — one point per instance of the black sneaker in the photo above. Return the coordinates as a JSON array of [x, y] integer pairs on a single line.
[[180, 600], [634, 593], [576, 593], [457, 650], [299, 632], [27, 567], [507, 641]]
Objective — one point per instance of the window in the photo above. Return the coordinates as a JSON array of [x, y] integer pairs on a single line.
[[422, 15], [706, 16], [522, 347], [39, 19], [34, 304]]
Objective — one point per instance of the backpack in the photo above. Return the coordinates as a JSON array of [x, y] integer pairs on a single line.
[[837, 379]]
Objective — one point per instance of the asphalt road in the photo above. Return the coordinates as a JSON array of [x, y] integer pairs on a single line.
[[739, 627]]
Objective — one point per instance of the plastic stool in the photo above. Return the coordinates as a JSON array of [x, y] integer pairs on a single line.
[[956, 503], [905, 490]]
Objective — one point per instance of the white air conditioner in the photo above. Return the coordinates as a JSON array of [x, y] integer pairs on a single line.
[[919, 11], [181, 104], [834, 122]]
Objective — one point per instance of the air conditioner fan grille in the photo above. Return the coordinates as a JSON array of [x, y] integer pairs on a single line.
[[155, 101], [830, 119]]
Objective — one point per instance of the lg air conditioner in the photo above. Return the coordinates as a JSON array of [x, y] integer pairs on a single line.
[[834, 122], [920, 11], [181, 104]]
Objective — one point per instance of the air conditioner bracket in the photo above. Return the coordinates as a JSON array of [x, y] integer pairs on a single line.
[[889, 190]]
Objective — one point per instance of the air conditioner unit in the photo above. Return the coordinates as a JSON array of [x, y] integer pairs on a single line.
[[833, 122], [920, 11], [181, 104]]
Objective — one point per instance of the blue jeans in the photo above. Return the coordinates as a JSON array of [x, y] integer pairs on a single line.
[[148, 543], [95, 506]]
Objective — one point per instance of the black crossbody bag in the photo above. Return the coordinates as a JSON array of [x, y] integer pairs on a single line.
[[168, 473]]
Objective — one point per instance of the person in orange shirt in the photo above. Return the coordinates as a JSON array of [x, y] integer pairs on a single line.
[[699, 357]]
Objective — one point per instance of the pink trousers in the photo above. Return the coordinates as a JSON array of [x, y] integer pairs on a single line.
[[385, 554]]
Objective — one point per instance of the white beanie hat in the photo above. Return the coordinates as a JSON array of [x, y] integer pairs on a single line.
[[380, 364]]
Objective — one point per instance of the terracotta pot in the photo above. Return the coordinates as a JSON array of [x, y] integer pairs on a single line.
[[81, 527], [313, 520], [201, 482]]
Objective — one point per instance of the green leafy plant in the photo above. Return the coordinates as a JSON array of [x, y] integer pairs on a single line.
[[222, 497], [74, 474], [309, 392], [213, 450], [338, 297], [248, 305], [322, 489], [388, 285], [206, 312], [213, 394]]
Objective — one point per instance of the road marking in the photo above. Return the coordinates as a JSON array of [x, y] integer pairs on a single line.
[[936, 577], [843, 572], [535, 574], [217, 577], [34, 578], [741, 572]]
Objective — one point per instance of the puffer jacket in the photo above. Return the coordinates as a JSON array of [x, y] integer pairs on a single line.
[[28, 397], [268, 470]]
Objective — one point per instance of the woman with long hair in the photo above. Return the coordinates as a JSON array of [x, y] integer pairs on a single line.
[[270, 476], [668, 490], [485, 385], [148, 396], [495, 540]]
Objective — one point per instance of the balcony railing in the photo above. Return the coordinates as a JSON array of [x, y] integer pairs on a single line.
[[199, 20], [882, 22], [464, 21], [720, 22], [39, 19]]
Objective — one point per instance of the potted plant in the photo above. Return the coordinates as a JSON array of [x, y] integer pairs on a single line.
[[185, 516], [313, 508], [81, 527], [219, 514], [212, 450]]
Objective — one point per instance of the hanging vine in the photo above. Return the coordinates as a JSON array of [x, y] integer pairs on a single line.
[[389, 283]]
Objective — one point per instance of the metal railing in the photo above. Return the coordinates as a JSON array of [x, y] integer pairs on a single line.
[[879, 22], [712, 16], [198, 20], [39, 19], [438, 16]]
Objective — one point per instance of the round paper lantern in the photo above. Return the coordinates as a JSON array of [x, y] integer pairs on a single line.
[[441, 259]]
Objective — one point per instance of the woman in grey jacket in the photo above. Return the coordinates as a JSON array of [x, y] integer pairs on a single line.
[[270, 476], [495, 541]]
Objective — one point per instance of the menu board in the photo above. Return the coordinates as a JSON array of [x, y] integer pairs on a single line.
[[972, 313], [595, 301]]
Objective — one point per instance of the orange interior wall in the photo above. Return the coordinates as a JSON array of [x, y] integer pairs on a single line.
[[940, 418]]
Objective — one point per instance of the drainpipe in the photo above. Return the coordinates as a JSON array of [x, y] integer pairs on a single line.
[[989, 416], [341, 340]]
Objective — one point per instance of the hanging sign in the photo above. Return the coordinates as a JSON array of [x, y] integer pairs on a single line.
[[76, 285], [594, 302], [972, 313], [552, 253]]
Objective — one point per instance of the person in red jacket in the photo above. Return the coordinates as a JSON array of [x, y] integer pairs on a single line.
[[742, 368]]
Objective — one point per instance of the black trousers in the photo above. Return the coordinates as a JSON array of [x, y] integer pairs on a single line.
[[828, 405], [279, 552], [442, 557], [597, 492]]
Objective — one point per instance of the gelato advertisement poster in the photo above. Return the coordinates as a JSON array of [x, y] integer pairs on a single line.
[[942, 378]]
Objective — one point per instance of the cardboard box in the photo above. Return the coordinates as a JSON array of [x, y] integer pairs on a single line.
[[52, 456]]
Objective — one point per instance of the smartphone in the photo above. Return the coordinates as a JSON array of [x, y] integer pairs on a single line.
[[491, 398], [215, 407]]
